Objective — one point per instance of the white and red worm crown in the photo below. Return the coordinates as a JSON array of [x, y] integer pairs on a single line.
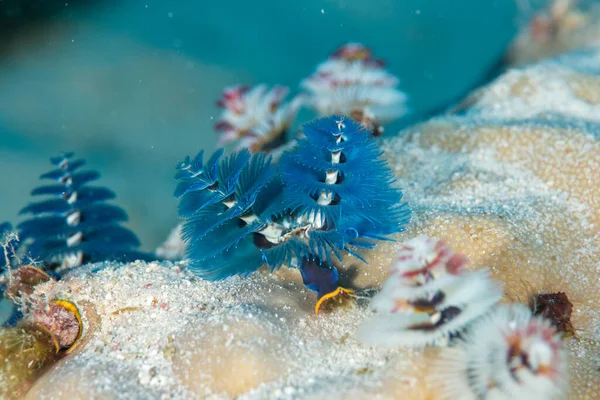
[[509, 354], [429, 296]]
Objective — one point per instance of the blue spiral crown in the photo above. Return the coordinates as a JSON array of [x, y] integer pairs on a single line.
[[331, 193], [75, 225]]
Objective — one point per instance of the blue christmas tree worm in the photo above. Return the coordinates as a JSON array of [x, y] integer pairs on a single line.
[[75, 225], [331, 193]]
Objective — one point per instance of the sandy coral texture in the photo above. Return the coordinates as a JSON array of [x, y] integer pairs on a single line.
[[512, 181]]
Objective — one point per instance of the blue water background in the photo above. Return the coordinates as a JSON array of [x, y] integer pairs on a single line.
[[131, 85]]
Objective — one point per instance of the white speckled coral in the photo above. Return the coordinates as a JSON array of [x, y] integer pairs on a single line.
[[519, 193]]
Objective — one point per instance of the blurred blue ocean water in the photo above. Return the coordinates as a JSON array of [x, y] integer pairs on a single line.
[[131, 85]]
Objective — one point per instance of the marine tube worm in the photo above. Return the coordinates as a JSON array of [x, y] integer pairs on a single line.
[[331, 193], [352, 82], [74, 224], [255, 118], [429, 297], [508, 354]]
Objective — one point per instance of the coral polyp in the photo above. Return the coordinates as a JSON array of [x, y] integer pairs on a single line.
[[353, 83], [509, 354], [331, 193], [255, 118], [429, 297]]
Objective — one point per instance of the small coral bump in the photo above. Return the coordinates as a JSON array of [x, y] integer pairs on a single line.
[[558, 309], [22, 281], [508, 354], [429, 297], [62, 319], [256, 118], [353, 83]]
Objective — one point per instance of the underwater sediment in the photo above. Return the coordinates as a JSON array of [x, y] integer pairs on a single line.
[[510, 179]]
